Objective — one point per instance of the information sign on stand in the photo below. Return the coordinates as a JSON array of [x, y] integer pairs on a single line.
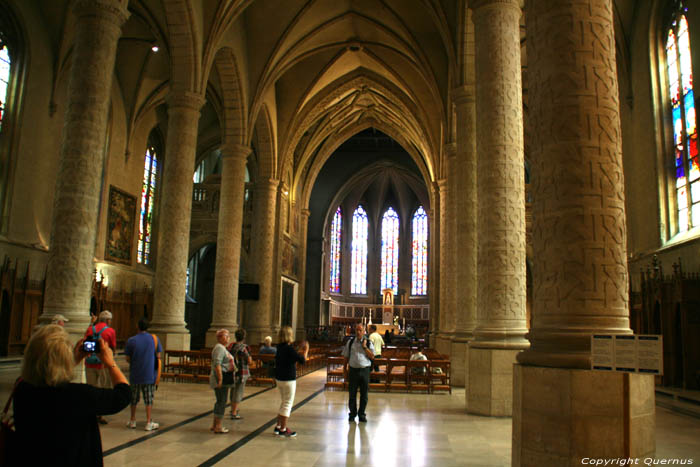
[[627, 353]]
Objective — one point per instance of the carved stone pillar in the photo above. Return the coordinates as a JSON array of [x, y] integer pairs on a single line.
[[579, 247], [259, 320], [465, 245], [501, 313], [441, 339], [74, 223], [228, 240], [174, 224], [303, 231]]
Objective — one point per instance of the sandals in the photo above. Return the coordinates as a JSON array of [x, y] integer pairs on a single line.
[[235, 417], [220, 431]]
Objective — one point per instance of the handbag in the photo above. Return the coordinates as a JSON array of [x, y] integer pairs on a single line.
[[227, 377], [8, 436]]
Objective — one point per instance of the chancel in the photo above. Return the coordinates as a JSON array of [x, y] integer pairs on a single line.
[[495, 181]]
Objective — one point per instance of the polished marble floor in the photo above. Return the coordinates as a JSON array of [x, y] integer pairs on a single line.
[[403, 430]]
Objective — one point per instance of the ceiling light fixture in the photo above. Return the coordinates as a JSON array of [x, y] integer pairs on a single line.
[[155, 49]]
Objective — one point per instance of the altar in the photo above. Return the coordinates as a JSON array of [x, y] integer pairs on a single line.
[[382, 328]]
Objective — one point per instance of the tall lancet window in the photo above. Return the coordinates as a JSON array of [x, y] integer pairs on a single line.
[[5, 64], [419, 247], [360, 230], [148, 191], [685, 135], [336, 237], [390, 251]]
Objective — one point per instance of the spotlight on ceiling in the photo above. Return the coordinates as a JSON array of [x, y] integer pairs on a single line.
[[155, 49]]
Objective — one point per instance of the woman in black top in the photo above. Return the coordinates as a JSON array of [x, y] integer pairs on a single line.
[[286, 375], [56, 420]]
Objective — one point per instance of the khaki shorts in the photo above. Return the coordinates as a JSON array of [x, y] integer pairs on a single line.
[[98, 377]]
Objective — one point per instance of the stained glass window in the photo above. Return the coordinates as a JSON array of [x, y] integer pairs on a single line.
[[419, 263], [148, 190], [4, 79], [390, 251], [360, 232], [336, 232], [685, 135]]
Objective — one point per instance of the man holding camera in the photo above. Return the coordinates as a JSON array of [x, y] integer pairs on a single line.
[[359, 352], [96, 373]]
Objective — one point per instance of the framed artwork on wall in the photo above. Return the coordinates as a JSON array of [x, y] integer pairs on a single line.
[[121, 214]]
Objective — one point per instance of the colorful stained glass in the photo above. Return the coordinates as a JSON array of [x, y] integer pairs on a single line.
[[419, 247], [5, 66], [390, 251], [148, 190], [360, 233], [683, 114], [336, 236]]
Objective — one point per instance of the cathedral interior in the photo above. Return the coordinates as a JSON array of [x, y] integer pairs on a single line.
[[521, 174]]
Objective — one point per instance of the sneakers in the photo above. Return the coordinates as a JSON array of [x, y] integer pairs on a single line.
[[235, 417], [277, 430], [150, 426], [288, 433], [363, 419], [131, 424]]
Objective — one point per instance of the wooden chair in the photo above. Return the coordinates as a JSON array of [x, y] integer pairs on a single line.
[[396, 374], [336, 372], [379, 376], [419, 377], [440, 381]]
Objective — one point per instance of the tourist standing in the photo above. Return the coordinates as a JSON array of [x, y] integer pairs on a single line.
[[142, 352], [241, 354], [221, 378], [286, 376], [96, 373], [359, 352]]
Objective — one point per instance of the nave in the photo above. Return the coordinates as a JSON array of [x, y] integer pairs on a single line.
[[409, 430]]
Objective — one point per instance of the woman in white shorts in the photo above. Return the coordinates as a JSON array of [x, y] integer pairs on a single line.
[[286, 376]]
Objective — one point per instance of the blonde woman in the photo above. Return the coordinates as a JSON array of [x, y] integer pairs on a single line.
[[56, 415], [286, 359], [221, 361]]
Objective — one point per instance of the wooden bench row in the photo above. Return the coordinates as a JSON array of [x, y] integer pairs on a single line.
[[395, 374]]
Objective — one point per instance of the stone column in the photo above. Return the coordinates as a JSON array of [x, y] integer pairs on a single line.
[[174, 221], [433, 271], [228, 240], [74, 223], [259, 318], [579, 248], [441, 338], [465, 245], [501, 314], [303, 231]]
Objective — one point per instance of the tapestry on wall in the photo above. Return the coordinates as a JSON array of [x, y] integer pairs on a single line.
[[120, 226]]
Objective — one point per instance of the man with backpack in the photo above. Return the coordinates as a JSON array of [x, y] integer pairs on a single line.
[[142, 352], [95, 372]]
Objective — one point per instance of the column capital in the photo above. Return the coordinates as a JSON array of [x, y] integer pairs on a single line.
[[185, 99], [113, 11], [442, 185], [478, 4], [305, 213], [235, 151], [266, 184], [465, 94]]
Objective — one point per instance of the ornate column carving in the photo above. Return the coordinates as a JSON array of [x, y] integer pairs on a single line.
[[74, 222], [228, 240], [174, 224], [263, 247], [579, 247], [501, 312], [303, 232], [465, 245]]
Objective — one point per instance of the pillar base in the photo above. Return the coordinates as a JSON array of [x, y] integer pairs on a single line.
[[459, 362], [561, 416], [490, 385], [173, 340], [443, 343]]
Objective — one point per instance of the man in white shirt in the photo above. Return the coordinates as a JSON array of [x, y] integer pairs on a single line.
[[359, 352]]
